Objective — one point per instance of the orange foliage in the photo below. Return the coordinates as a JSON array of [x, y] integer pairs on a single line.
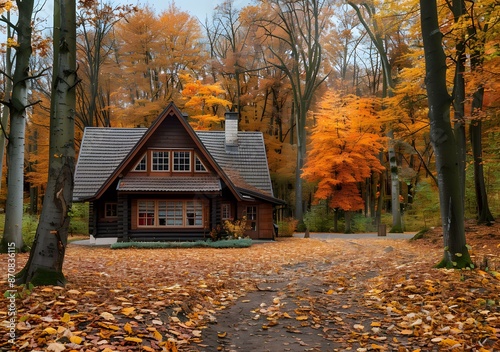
[[344, 149]]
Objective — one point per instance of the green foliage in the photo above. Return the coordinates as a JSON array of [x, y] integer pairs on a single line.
[[424, 212], [79, 219], [30, 224], [319, 218], [25, 291], [287, 227], [233, 243], [361, 224]]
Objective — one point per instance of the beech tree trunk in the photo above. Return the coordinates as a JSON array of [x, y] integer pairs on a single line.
[[456, 254], [15, 147], [44, 266]]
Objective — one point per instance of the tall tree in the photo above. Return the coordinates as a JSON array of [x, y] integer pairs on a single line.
[[348, 128], [456, 254], [96, 20], [44, 266], [377, 33], [298, 26], [16, 140]]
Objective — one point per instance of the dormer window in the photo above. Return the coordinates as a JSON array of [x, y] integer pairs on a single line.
[[160, 161], [198, 165], [182, 161], [142, 165]]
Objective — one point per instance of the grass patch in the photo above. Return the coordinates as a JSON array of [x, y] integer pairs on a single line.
[[243, 243]]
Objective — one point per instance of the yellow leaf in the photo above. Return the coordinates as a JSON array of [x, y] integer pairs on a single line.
[[329, 292], [90, 293], [407, 332], [301, 317], [133, 339], [286, 315], [146, 348], [128, 310], [66, 318], [449, 342], [74, 292], [157, 336], [375, 323], [222, 334], [50, 331], [76, 339], [128, 328], [47, 289], [377, 347]]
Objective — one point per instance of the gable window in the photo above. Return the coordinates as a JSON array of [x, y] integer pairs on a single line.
[[198, 165], [182, 161], [252, 217], [110, 210], [142, 165], [170, 213], [160, 161], [225, 211]]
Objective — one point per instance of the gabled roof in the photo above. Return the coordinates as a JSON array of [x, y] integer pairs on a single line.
[[104, 154]]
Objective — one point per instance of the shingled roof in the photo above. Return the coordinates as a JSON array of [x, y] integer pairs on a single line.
[[104, 149]]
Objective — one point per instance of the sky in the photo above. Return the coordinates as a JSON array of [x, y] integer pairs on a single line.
[[197, 8]]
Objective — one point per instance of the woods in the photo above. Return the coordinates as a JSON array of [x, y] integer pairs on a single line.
[[337, 89]]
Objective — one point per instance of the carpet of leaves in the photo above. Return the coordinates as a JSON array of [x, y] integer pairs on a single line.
[[367, 295]]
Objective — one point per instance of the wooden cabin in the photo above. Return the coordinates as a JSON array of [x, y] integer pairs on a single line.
[[169, 182]]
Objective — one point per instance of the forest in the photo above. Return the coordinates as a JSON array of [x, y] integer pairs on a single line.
[[337, 88]]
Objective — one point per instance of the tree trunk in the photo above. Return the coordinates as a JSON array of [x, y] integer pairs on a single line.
[[397, 224], [44, 266], [484, 215], [456, 254], [15, 148]]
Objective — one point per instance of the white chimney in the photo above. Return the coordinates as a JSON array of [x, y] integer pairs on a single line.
[[231, 132]]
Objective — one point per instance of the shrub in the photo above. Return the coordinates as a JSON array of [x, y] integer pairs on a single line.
[[287, 227], [319, 219]]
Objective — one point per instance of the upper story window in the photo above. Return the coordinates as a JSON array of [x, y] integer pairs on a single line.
[[198, 165], [142, 165], [182, 161], [160, 161]]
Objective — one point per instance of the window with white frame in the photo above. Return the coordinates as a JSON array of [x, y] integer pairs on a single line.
[[160, 161], [198, 165], [181, 161], [146, 216], [170, 213], [225, 211], [252, 217], [142, 165]]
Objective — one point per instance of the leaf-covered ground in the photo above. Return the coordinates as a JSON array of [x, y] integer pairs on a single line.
[[294, 294]]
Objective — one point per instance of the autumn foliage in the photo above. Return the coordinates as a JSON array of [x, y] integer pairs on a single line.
[[344, 150]]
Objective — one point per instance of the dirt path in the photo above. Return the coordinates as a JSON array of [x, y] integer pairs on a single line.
[[299, 310]]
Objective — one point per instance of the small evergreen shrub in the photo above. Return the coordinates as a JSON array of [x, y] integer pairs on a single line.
[[319, 219]]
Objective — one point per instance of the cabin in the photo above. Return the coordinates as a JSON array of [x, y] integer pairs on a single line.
[[169, 182]]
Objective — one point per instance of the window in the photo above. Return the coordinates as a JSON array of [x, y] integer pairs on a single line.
[[146, 213], [182, 161], [170, 213], [160, 161], [252, 217], [198, 165], [194, 213], [142, 165], [110, 210], [225, 211]]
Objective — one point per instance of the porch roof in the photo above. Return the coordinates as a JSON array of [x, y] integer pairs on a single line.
[[170, 184]]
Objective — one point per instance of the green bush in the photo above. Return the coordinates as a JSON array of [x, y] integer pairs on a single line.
[[287, 227], [362, 224], [241, 243], [319, 218]]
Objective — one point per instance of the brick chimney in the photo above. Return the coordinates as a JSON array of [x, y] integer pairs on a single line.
[[231, 132]]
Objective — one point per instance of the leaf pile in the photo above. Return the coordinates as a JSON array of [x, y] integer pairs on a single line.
[[366, 295]]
